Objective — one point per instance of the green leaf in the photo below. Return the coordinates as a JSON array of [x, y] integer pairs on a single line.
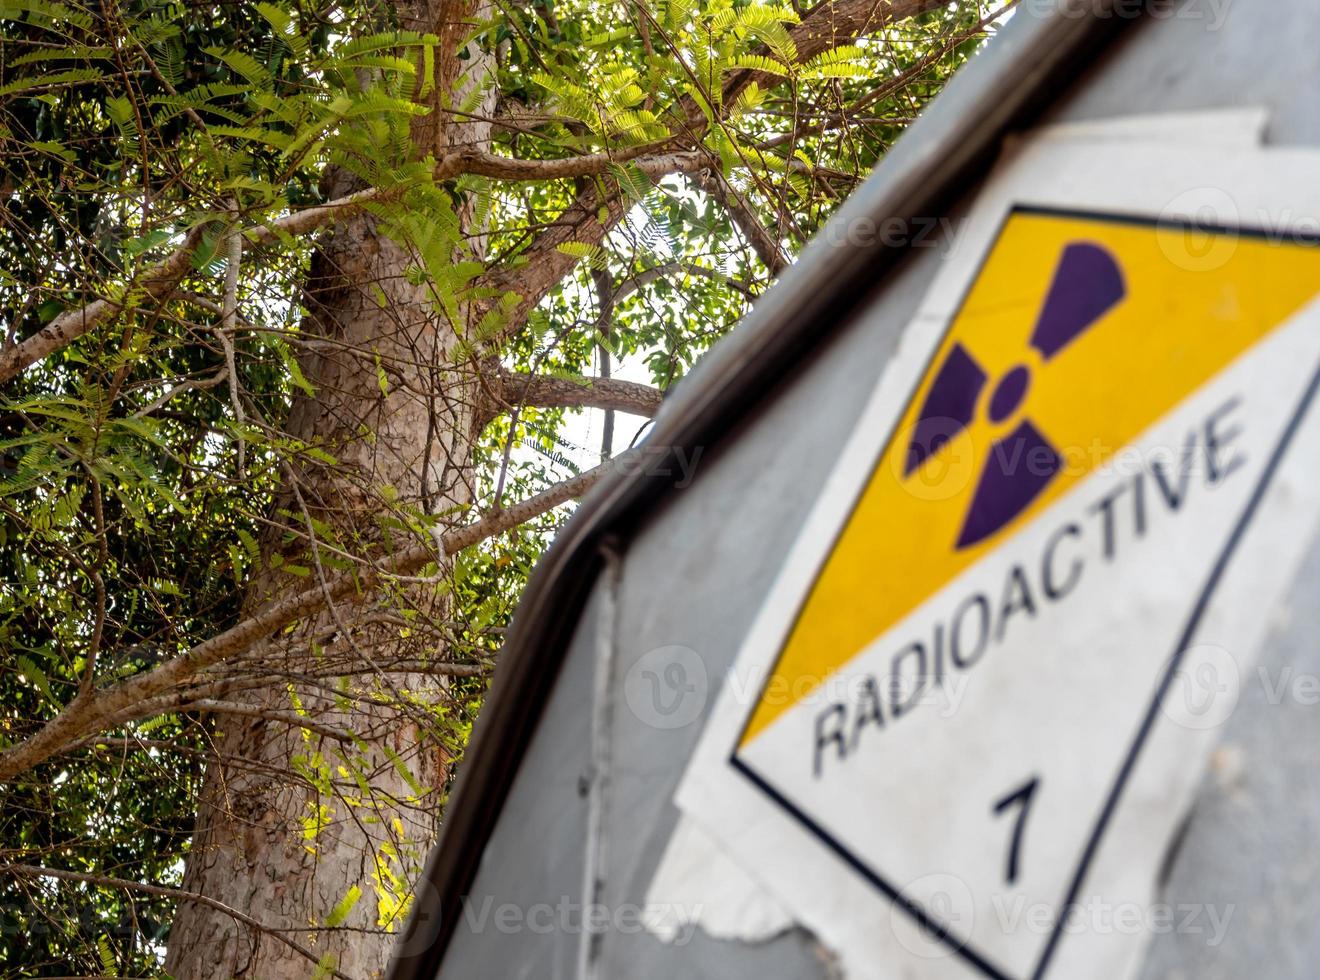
[[320, 454], [593, 255], [325, 966], [402, 769], [296, 375], [71, 76], [428, 71], [243, 64], [46, 14], [339, 914], [35, 675], [107, 957], [207, 249], [760, 62]]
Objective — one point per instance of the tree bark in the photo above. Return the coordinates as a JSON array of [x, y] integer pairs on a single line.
[[509, 389], [292, 824], [269, 839]]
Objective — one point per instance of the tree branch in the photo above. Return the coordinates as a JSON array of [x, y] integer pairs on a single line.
[[161, 278], [88, 714], [653, 159], [648, 276], [177, 894], [290, 718], [827, 25], [512, 388], [759, 237], [541, 265], [72, 324]]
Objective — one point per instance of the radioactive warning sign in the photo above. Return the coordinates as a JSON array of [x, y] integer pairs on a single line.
[[981, 691]]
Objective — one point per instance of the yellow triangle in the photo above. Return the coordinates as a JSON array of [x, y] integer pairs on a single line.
[[1191, 306]]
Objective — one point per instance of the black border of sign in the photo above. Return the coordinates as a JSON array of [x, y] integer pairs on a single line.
[[937, 929]]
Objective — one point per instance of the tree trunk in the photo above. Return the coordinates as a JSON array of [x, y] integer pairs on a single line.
[[292, 823]]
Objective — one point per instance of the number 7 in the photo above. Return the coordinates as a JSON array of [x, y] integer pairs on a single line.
[[1021, 795]]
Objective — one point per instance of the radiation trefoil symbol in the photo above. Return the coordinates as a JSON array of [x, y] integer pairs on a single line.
[[1087, 284]]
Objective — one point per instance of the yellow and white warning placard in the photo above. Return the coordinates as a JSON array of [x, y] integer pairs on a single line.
[[974, 708]]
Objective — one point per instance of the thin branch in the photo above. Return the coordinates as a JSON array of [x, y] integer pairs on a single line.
[[177, 894], [759, 237], [542, 265], [647, 276], [603, 279], [228, 320], [850, 114], [653, 159], [289, 718], [510, 389], [192, 384], [98, 583]]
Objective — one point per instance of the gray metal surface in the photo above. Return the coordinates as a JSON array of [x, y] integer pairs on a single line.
[[1252, 845], [548, 806], [696, 573]]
